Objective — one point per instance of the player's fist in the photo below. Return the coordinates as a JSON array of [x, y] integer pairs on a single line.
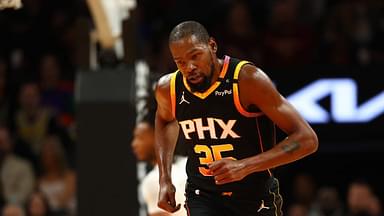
[[167, 197], [227, 170]]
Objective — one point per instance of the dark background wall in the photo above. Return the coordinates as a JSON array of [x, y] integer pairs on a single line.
[[105, 107]]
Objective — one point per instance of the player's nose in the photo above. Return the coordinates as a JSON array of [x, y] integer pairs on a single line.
[[191, 67]]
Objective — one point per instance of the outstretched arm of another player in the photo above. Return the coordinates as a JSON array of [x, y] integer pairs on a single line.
[[166, 132], [256, 89]]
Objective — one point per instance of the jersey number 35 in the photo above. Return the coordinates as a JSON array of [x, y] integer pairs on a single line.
[[212, 153]]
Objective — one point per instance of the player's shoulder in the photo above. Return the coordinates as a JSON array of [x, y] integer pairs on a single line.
[[250, 72], [254, 79], [163, 83], [165, 80]]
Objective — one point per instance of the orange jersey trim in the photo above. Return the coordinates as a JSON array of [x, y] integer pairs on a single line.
[[173, 93], [205, 94], [236, 95]]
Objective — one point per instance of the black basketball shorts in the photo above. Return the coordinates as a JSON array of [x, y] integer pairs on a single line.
[[203, 203]]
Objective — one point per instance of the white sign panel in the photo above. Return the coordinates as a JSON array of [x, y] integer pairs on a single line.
[[344, 108]]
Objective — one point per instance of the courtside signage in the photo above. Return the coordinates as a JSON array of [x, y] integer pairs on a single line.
[[344, 106]]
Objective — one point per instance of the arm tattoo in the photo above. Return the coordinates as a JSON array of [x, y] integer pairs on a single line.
[[290, 147]]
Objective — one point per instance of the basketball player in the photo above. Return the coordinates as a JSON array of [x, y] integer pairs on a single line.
[[143, 148], [226, 110]]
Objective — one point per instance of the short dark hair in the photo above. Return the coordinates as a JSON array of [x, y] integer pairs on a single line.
[[189, 28]]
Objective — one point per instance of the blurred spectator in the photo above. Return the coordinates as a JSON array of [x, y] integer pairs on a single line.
[[37, 205], [362, 201], [12, 210], [288, 42], [327, 203], [33, 121], [57, 97], [55, 92], [338, 34], [297, 209], [351, 33], [239, 36], [17, 177], [57, 182], [143, 146], [304, 189]]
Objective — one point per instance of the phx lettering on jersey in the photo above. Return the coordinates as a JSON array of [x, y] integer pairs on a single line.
[[196, 125]]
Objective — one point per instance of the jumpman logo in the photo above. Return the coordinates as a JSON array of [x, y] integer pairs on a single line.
[[183, 99], [262, 206]]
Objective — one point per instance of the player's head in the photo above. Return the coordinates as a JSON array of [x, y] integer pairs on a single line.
[[194, 52], [143, 143]]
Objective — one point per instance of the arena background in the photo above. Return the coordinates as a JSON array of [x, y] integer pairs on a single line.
[[325, 56]]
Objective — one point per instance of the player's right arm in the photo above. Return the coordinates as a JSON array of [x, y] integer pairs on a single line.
[[166, 132]]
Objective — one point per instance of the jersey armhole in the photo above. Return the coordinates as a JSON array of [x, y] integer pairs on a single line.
[[261, 143], [236, 95], [173, 93]]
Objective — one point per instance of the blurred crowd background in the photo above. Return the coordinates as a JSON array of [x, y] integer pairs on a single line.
[[40, 56]]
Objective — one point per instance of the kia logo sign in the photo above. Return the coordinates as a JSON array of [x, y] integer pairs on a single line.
[[344, 107]]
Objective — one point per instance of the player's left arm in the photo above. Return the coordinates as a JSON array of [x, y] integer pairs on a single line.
[[257, 89]]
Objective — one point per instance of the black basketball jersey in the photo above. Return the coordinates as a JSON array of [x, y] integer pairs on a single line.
[[214, 125]]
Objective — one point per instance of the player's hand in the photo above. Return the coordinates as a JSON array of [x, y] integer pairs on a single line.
[[167, 197], [227, 170]]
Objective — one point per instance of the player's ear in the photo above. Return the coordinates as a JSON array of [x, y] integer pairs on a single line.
[[212, 44]]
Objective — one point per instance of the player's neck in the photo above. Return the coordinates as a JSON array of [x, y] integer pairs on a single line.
[[218, 66]]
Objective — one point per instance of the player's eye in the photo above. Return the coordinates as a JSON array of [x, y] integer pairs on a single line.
[[180, 63], [195, 56]]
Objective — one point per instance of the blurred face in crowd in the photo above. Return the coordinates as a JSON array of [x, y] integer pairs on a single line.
[[304, 188], [328, 199], [143, 142], [239, 19], [297, 210], [49, 71], [52, 154], [37, 205], [359, 197], [30, 98], [195, 60], [12, 210]]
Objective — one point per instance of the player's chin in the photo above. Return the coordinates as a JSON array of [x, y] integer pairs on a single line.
[[197, 80]]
